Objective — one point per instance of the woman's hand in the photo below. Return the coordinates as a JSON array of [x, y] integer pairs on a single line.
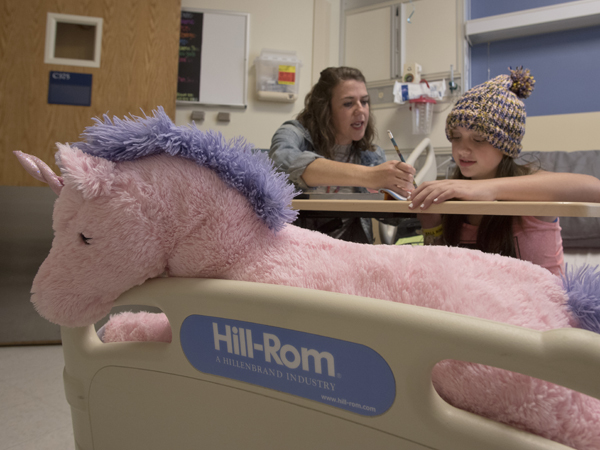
[[394, 175], [435, 192]]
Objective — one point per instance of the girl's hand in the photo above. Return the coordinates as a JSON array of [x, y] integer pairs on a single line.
[[435, 192], [394, 175]]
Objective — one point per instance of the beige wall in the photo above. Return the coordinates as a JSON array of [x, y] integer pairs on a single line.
[[326, 37], [274, 24], [434, 39], [566, 132]]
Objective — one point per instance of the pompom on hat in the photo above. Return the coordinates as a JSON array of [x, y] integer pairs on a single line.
[[495, 110]]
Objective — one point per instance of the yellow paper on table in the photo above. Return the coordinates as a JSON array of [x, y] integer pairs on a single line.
[[412, 240]]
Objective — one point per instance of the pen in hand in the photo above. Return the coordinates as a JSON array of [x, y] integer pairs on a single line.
[[398, 151]]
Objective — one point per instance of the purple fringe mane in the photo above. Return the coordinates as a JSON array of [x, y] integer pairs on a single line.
[[236, 162], [583, 289]]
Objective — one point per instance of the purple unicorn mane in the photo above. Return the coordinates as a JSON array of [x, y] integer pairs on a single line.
[[236, 162], [583, 289]]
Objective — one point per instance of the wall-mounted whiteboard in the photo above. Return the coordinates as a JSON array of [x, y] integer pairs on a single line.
[[213, 58]]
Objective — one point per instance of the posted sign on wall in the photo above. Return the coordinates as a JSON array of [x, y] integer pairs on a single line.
[[68, 88]]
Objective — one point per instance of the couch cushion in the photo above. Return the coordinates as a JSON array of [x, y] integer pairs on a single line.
[[577, 232]]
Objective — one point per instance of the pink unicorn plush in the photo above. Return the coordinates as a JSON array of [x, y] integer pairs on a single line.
[[141, 198]]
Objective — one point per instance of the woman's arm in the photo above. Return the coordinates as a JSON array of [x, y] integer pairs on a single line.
[[292, 153], [540, 186], [393, 175]]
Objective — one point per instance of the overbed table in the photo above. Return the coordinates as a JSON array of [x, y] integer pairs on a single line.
[[395, 208]]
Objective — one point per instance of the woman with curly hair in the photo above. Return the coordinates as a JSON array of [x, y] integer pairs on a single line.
[[329, 148]]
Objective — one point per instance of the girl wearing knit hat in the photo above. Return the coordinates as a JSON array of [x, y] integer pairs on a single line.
[[485, 128]]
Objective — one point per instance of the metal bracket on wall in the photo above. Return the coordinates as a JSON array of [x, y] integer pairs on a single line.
[[223, 117], [198, 115]]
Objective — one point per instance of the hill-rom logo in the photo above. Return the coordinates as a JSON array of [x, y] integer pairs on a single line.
[[339, 373], [239, 342]]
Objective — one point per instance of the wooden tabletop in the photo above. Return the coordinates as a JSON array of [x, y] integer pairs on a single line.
[[497, 208]]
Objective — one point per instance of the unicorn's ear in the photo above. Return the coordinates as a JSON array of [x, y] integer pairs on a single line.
[[91, 175]]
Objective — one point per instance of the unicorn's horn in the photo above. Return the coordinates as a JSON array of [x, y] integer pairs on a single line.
[[39, 170]]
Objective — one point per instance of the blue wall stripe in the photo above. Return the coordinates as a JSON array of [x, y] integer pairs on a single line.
[[564, 64]]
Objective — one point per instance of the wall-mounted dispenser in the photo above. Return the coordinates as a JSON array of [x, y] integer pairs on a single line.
[[277, 75]]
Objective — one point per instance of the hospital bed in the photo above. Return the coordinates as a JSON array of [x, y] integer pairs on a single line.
[[213, 388], [372, 390]]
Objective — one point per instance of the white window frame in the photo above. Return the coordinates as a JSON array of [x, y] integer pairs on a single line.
[[529, 22], [53, 20]]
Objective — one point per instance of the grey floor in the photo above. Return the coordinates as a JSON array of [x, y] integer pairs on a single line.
[[34, 414]]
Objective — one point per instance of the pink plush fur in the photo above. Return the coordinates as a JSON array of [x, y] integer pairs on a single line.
[[137, 327], [164, 214]]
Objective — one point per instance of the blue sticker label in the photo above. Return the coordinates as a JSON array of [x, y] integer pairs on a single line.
[[68, 88], [338, 373], [405, 93]]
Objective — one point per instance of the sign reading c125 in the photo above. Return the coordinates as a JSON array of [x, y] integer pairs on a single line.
[[338, 373]]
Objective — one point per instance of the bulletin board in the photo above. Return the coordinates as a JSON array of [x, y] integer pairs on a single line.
[[213, 58]]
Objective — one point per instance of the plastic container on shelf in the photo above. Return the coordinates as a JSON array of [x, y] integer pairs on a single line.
[[422, 114], [277, 75]]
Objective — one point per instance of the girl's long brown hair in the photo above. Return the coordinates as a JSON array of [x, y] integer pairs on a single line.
[[316, 116], [495, 233]]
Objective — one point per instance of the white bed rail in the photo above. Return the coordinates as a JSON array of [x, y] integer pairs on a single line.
[[428, 172], [149, 396]]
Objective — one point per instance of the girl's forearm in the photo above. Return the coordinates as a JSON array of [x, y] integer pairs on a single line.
[[547, 186]]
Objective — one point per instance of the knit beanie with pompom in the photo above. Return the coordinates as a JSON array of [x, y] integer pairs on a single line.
[[495, 110]]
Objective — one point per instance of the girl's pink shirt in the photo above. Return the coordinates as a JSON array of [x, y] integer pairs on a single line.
[[535, 240]]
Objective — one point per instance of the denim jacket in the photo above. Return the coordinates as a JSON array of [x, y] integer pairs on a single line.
[[292, 149]]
